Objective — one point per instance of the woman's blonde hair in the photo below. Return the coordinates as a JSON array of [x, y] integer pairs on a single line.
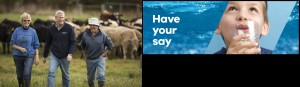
[[25, 15]]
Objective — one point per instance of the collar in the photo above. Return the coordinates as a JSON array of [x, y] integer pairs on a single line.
[[25, 28], [222, 51], [56, 25]]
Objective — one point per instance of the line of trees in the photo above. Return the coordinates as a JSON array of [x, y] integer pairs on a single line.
[[8, 5]]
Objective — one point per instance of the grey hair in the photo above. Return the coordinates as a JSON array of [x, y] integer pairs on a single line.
[[59, 12], [25, 14]]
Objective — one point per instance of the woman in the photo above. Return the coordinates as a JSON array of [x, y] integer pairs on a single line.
[[25, 44]]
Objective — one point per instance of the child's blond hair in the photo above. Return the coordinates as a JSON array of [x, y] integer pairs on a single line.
[[265, 12]]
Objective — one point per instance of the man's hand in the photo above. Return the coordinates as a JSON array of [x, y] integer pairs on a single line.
[[243, 47], [44, 60], [102, 56], [83, 54], [37, 59], [69, 58], [84, 57]]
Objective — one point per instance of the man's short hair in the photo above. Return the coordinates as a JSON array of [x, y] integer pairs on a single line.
[[58, 12]]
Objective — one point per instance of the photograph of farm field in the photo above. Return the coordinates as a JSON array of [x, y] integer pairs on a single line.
[[123, 66]]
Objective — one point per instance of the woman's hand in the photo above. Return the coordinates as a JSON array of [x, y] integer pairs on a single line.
[[37, 59], [23, 50]]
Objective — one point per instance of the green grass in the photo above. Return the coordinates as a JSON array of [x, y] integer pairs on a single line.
[[119, 72]]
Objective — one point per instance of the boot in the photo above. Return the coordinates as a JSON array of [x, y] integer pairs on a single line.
[[26, 83], [91, 84], [101, 83], [20, 81]]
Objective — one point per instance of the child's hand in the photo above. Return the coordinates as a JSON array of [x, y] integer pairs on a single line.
[[243, 47]]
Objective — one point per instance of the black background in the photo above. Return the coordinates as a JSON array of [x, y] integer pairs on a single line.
[[220, 70]]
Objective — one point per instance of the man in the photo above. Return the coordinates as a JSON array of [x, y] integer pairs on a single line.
[[93, 44], [60, 40]]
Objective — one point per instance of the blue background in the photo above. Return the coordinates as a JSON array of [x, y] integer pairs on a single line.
[[199, 19]]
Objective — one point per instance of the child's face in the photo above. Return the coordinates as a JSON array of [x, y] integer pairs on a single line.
[[239, 11]]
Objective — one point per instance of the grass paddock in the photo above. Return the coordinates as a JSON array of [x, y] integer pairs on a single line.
[[119, 72]]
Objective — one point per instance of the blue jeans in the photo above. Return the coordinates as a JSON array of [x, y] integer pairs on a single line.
[[93, 65], [23, 66], [65, 71]]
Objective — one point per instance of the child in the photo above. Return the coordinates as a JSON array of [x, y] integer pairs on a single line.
[[241, 11]]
